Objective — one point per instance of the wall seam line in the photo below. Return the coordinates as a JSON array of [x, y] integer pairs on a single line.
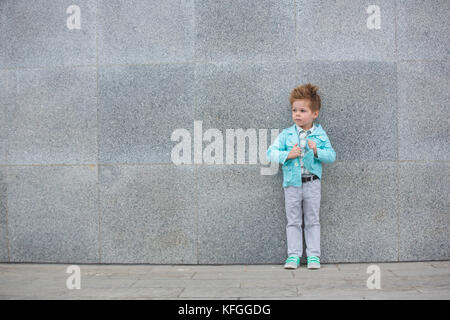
[[397, 167], [98, 147], [194, 115]]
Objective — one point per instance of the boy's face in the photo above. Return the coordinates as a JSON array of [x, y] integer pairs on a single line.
[[302, 114]]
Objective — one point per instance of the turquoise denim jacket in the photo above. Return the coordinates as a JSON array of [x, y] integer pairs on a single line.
[[283, 144]]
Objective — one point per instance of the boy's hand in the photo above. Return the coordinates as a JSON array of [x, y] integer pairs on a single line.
[[295, 152], [312, 145]]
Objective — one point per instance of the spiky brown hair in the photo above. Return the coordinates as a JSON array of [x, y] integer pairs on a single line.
[[306, 91]]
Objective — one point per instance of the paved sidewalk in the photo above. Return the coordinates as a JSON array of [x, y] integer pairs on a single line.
[[404, 280]]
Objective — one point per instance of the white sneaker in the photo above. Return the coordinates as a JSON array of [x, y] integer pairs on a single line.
[[293, 262], [313, 262]]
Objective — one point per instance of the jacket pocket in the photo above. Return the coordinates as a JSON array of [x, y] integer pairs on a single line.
[[319, 140], [287, 174], [291, 140], [290, 145]]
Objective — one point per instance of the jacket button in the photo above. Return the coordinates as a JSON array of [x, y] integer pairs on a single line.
[[296, 164]]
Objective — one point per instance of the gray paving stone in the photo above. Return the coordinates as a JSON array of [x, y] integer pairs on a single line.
[[271, 298], [359, 267], [33, 269], [117, 273], [335, 296], [441, 292], [228, 267], [177, 298], [425, 266], [339, 82], [317, 275], [422, 85], [50, 220], [421, 30], [302, 284], [146, 283], [167, 275], [424, 210], [21, 297], [420, 272], [145, 31], [440, 264], [434, 296], [418, 281], [140, 107], [358, 212], [242, 275], [103, 293], [332, 293], [340, 31], [30, 291], [148, 214], [54, 119], [99, 283], [347, 283], [252, 30], [387, 283], [35, 34], [395, 295], [361, 294], [282, 291], [35, 286]]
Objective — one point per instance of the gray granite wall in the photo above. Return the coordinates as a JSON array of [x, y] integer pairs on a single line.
[[91, 95]]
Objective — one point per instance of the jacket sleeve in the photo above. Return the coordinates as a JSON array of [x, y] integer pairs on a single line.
[[326, 153], [277, 151]]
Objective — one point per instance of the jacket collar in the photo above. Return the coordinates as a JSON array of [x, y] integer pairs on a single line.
[[318, 130], [300, 129]]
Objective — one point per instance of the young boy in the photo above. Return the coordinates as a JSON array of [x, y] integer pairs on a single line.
[[301, 149]]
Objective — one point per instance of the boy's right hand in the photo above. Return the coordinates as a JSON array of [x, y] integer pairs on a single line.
[[295, 152]]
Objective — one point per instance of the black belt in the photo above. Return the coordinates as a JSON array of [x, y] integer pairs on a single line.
[[306, 179]]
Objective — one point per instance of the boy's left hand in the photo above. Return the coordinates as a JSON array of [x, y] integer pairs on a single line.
[[312, 145]]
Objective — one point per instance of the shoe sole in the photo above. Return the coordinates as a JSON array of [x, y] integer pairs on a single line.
[[313, 267]]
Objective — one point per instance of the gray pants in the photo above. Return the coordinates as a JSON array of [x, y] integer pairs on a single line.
[[309, 195]]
